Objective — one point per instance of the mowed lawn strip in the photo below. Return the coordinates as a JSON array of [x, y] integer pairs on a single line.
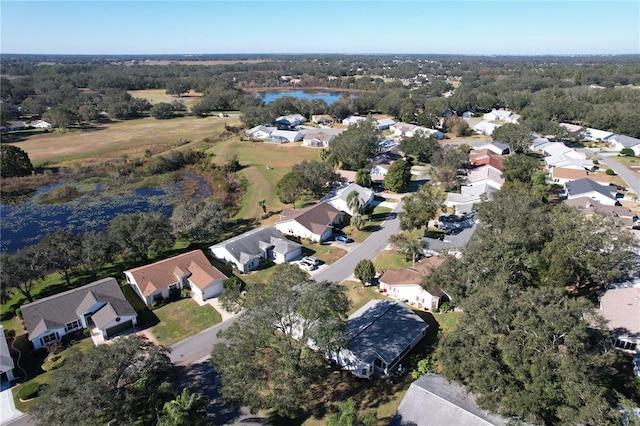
[[181, 319], [156, 96]]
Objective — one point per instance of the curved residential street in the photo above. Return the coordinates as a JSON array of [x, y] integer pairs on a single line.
[[628, 175]]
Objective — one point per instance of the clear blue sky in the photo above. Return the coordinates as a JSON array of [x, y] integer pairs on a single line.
[[455, 27]]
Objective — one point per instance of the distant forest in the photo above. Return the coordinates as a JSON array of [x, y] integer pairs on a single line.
[[592, 91]]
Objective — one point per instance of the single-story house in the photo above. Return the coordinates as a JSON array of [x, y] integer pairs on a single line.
[[191, 270], [6, 361], [424, 131], [384, 123], [347, 175], [562, 175], [284, 136], [317, 139], [573, 129], [486, 173], [292, 119], [324, 119], [620, 307], [596, 135], [401, 129], [100, 304], [501, 115], [378, 336], [338, 197], [585, 187], [588, 206], [432, 400], [314, 222], [259, 132], [404, 284], [498, 148], [246, 251], [14, 126], [469, 196], [485, 128], [481, 157], [40, 124], [568, 162], [619, 142], [353, 119]]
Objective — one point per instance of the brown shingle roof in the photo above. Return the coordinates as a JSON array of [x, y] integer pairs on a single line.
[[564, 173], [162, 274], [315, 218], [413, 275]]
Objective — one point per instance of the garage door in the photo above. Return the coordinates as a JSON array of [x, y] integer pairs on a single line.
[[120, 327]]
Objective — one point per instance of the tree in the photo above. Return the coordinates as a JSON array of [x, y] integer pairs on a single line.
[[14, 162], [291, 187], [22, 270], [187, 409], [420, 146], [161, 111], [140, 235], [520, 167], [96, 251], [358, 221], [408, 245], [263, 204], [354, 202], [356, 145], [398, 178], [122, 382], [264, 359], [319, 177], [231, 297], [349, 416], [62, 251], [534, 358], [363, 178], [365, 271], [517, 136], [177, 87], [201, 221], [456, 125], [59, 117], [421, 207]]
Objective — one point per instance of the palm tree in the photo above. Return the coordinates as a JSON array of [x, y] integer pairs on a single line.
[[263, 203], [354, 202], [186, 409]]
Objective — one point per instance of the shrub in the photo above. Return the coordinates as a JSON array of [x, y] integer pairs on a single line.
[[28, 390], [86, 332], [53, 361], [19, 313], [610, 172], [628, 152]]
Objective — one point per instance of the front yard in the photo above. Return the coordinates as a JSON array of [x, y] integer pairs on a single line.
[[181, 319]]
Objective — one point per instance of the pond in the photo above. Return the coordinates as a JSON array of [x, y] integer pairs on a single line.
[[27, 223], [328, 97]]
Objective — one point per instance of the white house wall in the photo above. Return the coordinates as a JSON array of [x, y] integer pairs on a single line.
[[294, 228]]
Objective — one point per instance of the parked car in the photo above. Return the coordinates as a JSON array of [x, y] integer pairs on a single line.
[[344, 239], [306, 266], [311, 260]]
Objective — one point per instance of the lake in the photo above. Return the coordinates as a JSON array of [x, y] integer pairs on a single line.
[[328, 97], [27, 223]]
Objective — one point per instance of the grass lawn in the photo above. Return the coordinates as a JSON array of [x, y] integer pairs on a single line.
[[390, 260], [627, 161], [255, 157], [181, 319], [324, 252], [372, 224], [160, 95], [102, 142], [359, 295]]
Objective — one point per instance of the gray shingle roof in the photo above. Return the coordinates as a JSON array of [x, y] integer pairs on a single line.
[[382, 328], [251, 244], [627, 141], [585, 185], [58, 310]]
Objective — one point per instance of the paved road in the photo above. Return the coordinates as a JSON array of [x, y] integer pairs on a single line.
[[368, 249], [194, 348], [630, 177]]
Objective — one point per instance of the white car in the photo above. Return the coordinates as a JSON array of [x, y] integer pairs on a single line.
[[311, 260], [306, 266]]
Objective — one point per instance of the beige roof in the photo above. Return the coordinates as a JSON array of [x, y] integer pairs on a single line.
[[162, 274], [413, 275], [588, 206], [621, 308], [564, 173], [316, 218]]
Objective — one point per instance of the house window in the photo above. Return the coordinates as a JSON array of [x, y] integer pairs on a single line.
[[72, 326], [49, 338]]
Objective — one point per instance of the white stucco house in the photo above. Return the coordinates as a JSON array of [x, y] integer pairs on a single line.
[[401, 129], [585, 187], [40, 124], [501, 115], [246, 251], [317, 139], [314, 222], [259, 132], [384, 123], [338, 197], [100, 304], [379, 335], [620, 142], [353, 119], [191, 270], [284, 136], [404, 284], [292, 119], [485, 127]]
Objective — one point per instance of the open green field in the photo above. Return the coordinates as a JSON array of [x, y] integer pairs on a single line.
[[263, 166], [156, 96], [102, 142]]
